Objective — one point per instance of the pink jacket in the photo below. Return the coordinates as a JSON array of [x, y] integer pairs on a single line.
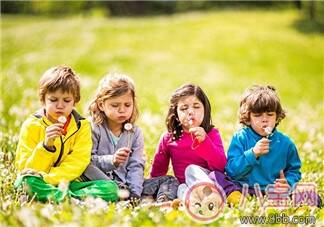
[[209, 154]]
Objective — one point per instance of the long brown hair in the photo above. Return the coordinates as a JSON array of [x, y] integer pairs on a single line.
[[172, 121]]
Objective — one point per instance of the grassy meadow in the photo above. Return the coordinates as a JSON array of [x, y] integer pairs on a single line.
[[223, 51]]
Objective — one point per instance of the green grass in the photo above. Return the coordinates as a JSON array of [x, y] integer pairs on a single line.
[[223, 51]]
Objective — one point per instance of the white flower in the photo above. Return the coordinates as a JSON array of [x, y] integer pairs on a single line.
[[62, 119], [47, 211], [27, 217], [128, 126], [123, 194]]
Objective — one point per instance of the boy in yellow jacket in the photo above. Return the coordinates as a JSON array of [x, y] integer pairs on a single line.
[[55, 144]]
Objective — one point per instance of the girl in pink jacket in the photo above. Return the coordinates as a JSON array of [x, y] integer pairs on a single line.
[[192, 143]]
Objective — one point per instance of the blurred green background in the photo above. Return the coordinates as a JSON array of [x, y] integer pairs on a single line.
[[224, 47]]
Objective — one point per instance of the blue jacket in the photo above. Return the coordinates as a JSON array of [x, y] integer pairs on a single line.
[[243, 167]]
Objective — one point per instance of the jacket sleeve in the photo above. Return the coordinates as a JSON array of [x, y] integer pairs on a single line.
[[292, 170], [212, 150], [161, 158], [103, 162], [30, 149], [135, 165], [74, 164], [240, 162]]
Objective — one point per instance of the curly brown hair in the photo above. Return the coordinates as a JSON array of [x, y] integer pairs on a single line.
[[259, 99], [172, 121]]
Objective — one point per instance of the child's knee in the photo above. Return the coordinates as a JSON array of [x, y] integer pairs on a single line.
[[172, 180], [191, 169]]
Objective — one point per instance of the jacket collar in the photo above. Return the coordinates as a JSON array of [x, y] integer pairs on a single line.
[[73, 126], [41, 114]]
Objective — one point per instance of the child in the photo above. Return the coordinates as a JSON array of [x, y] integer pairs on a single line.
[[55, 143], [258, 152], [192, 143], [117, 152]]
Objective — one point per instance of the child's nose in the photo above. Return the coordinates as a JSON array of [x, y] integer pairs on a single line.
[[191, 112], [264, 118], [60, 104]]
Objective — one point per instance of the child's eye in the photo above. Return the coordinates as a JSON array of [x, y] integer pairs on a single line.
[[270, 114], [128, 105], [53, 100], [114, 105], [67, 101], [183, 108], [256, 115]]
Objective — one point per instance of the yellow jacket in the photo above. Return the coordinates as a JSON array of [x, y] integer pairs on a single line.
[[72, 154]]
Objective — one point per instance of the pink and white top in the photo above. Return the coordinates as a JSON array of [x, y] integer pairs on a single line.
[[209, 154]]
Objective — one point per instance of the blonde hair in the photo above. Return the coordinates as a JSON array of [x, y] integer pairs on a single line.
[[59, 78], [112, 85]]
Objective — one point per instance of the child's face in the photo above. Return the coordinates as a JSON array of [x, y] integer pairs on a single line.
[[118, 109], [260, 121], [58, 104], [190, 112]]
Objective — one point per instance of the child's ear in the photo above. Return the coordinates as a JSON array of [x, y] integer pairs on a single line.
[[100, 106]]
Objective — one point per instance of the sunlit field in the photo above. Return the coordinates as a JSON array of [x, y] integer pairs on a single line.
[[222, 51]]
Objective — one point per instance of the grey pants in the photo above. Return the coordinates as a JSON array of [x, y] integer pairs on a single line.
[[161, 186], [155, 187]]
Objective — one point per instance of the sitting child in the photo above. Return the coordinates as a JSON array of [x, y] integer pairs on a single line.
[[192, 144], [118, 143], [55, 144], [259, 153]]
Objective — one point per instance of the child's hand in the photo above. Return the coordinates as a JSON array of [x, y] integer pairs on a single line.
[[30, 172], [199, 133], [53, 131], [120, 156], [281, 184], [261, 147]]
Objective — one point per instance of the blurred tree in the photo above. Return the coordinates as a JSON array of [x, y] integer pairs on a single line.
[[129, 8], [314, 10]]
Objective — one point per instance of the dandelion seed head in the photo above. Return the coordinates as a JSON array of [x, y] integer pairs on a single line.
[[123, 194], [62, 119], [128, 126]]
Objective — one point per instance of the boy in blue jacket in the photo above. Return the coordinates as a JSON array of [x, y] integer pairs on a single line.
[[259, 153]]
